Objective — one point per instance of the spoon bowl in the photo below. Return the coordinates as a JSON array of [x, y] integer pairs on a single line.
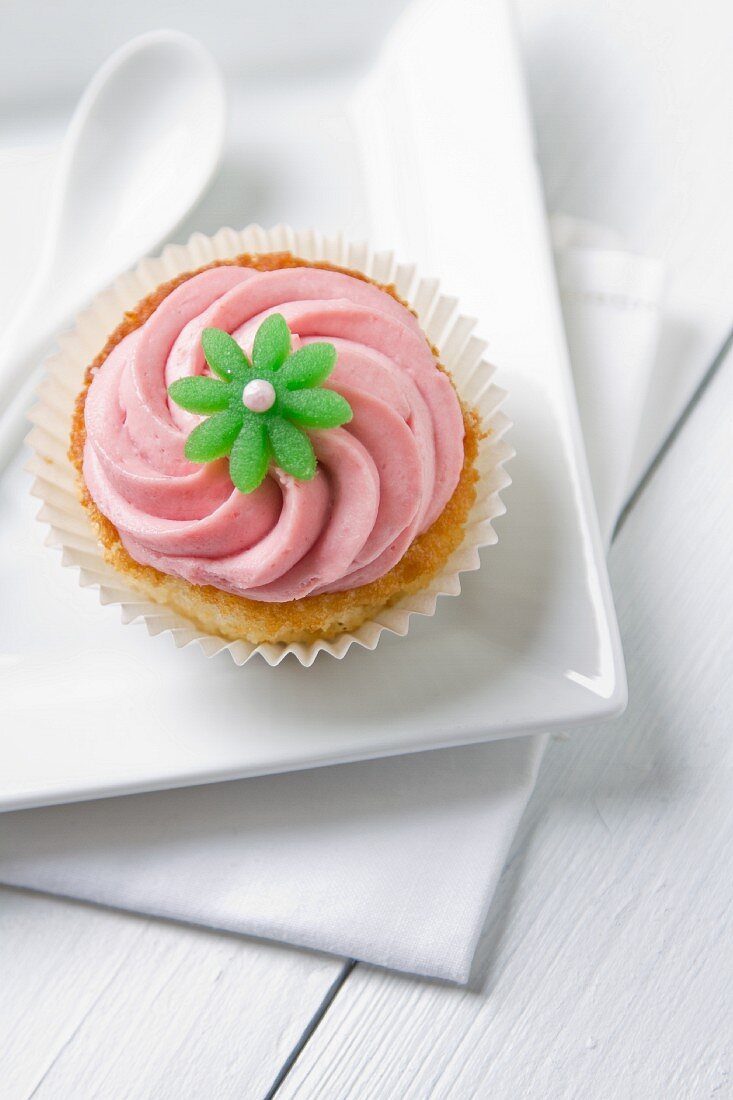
[[143, 143]]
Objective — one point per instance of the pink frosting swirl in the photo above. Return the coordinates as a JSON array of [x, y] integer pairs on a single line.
[[381, 480]]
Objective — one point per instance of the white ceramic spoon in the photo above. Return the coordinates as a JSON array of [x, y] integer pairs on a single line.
[[142, 145]]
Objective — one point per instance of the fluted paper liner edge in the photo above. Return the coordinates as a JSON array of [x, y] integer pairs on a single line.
[[54, 476]]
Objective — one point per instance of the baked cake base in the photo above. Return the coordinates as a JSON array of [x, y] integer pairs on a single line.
[[305, 620]]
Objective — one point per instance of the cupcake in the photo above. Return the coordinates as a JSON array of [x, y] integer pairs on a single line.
[[270, 447]]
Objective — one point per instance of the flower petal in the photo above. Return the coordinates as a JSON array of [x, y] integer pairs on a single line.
[[291, 448], [316, 408], [309, 366], [223, 354], [214, 437], [200, 395], [272, 343], [250, 455]]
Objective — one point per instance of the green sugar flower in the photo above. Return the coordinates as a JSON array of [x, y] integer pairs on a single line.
[[257, 411]]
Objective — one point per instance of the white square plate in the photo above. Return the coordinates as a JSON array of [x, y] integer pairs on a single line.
[[91, 708]]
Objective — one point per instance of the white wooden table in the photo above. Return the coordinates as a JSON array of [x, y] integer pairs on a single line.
[[605, 968]]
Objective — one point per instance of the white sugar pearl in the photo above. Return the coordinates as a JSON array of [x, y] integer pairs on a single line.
[[258, 395]]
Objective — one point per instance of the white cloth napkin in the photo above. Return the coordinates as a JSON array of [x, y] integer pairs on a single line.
[[611, 301], [393, 862]]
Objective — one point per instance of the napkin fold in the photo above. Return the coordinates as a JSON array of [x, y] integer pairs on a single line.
[[395, 861], [611, 307]]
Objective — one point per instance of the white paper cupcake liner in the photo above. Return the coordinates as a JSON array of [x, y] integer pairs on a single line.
[[461, 352]]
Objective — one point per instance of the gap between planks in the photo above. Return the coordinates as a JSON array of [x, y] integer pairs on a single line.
[[310, 1028]]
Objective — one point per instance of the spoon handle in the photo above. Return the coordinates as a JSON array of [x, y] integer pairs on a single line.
[[14, 423], [23, 347], [24, 340]]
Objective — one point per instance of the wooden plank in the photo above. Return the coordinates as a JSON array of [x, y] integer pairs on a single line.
[[95, 1002], [606, 968]]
